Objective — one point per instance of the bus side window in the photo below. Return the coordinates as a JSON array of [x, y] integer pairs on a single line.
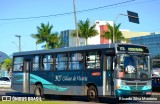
[[47, 63], [93, 60], [36, 63], [76, 61], [18, 64], [61, 61]]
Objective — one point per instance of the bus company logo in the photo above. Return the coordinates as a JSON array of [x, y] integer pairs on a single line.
[[6, 98], [58, 78]]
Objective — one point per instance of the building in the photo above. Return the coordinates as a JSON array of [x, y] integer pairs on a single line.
[[131, 34], [101, 27], [152, 41], [69, 40]]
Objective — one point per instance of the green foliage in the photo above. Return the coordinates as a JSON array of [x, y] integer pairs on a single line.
[[45, 34], [118, 36], [85, 30], [1, 66], [7, 64]]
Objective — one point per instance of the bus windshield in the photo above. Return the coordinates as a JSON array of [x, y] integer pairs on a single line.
[[135, 66]]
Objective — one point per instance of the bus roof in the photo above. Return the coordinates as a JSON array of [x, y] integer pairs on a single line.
[[70, 49]]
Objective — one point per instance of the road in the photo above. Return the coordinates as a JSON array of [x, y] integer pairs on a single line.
[[77, 100]]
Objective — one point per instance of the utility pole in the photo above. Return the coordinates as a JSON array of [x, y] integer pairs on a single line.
[[19, 37], [75, 18]]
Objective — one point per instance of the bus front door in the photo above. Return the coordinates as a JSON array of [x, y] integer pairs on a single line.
[[108, 85], [26, 76]]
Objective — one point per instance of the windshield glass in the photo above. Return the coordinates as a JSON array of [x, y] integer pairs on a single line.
[[133, 66]]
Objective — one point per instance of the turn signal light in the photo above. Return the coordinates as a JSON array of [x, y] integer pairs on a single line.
[[117, 87]]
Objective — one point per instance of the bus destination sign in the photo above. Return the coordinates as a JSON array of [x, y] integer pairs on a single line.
[[131, 48]]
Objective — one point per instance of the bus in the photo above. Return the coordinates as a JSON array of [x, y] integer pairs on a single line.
[[114, 70]]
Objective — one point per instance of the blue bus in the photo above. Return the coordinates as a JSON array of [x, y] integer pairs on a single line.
[[94, 71]]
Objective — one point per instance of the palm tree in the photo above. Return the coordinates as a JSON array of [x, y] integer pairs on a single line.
[[45, 35], [118, 36], [55, 41], [85, 30], [7, 64]]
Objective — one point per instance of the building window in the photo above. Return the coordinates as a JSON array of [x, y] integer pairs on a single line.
[[93, 60], [18, 64], [47, 63], [61, 62], [36, 63], [76, 61]]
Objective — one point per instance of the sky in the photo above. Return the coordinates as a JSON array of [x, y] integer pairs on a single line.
[[12, 10]]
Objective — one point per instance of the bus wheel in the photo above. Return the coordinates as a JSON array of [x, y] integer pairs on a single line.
[[92, 94], [38, 91]]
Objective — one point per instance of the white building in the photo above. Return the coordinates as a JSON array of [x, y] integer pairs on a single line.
[[97, 39]]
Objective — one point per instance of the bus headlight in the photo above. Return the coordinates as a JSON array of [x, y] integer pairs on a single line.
[[120, 83], [147, 87]]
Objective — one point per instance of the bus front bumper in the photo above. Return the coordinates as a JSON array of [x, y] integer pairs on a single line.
[[127, 93]]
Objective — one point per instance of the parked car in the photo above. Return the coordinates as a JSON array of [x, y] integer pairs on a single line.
[[5, 82]]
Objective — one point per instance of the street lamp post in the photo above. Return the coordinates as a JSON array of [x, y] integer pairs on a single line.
[[114, 22], [75, 18], [15, 44], [19, 37]]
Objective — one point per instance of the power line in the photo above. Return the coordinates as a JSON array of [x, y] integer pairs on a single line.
[[86, 10], [61, 14]]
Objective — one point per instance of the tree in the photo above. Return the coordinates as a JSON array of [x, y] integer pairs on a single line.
[[1, 66], [45, 35], [118, 36], [7, 64], [85, 30], [55, 41]]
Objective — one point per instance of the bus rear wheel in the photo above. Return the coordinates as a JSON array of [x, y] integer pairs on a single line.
[[92, 94], [38, 91]]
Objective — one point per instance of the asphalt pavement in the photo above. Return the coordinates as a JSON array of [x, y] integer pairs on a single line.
[[78, 100]]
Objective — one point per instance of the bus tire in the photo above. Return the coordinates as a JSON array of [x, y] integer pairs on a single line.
[[38, 91], [92, 94]]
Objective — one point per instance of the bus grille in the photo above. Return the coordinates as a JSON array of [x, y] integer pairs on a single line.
[[138, 84], [143, 84], [130, 83]]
